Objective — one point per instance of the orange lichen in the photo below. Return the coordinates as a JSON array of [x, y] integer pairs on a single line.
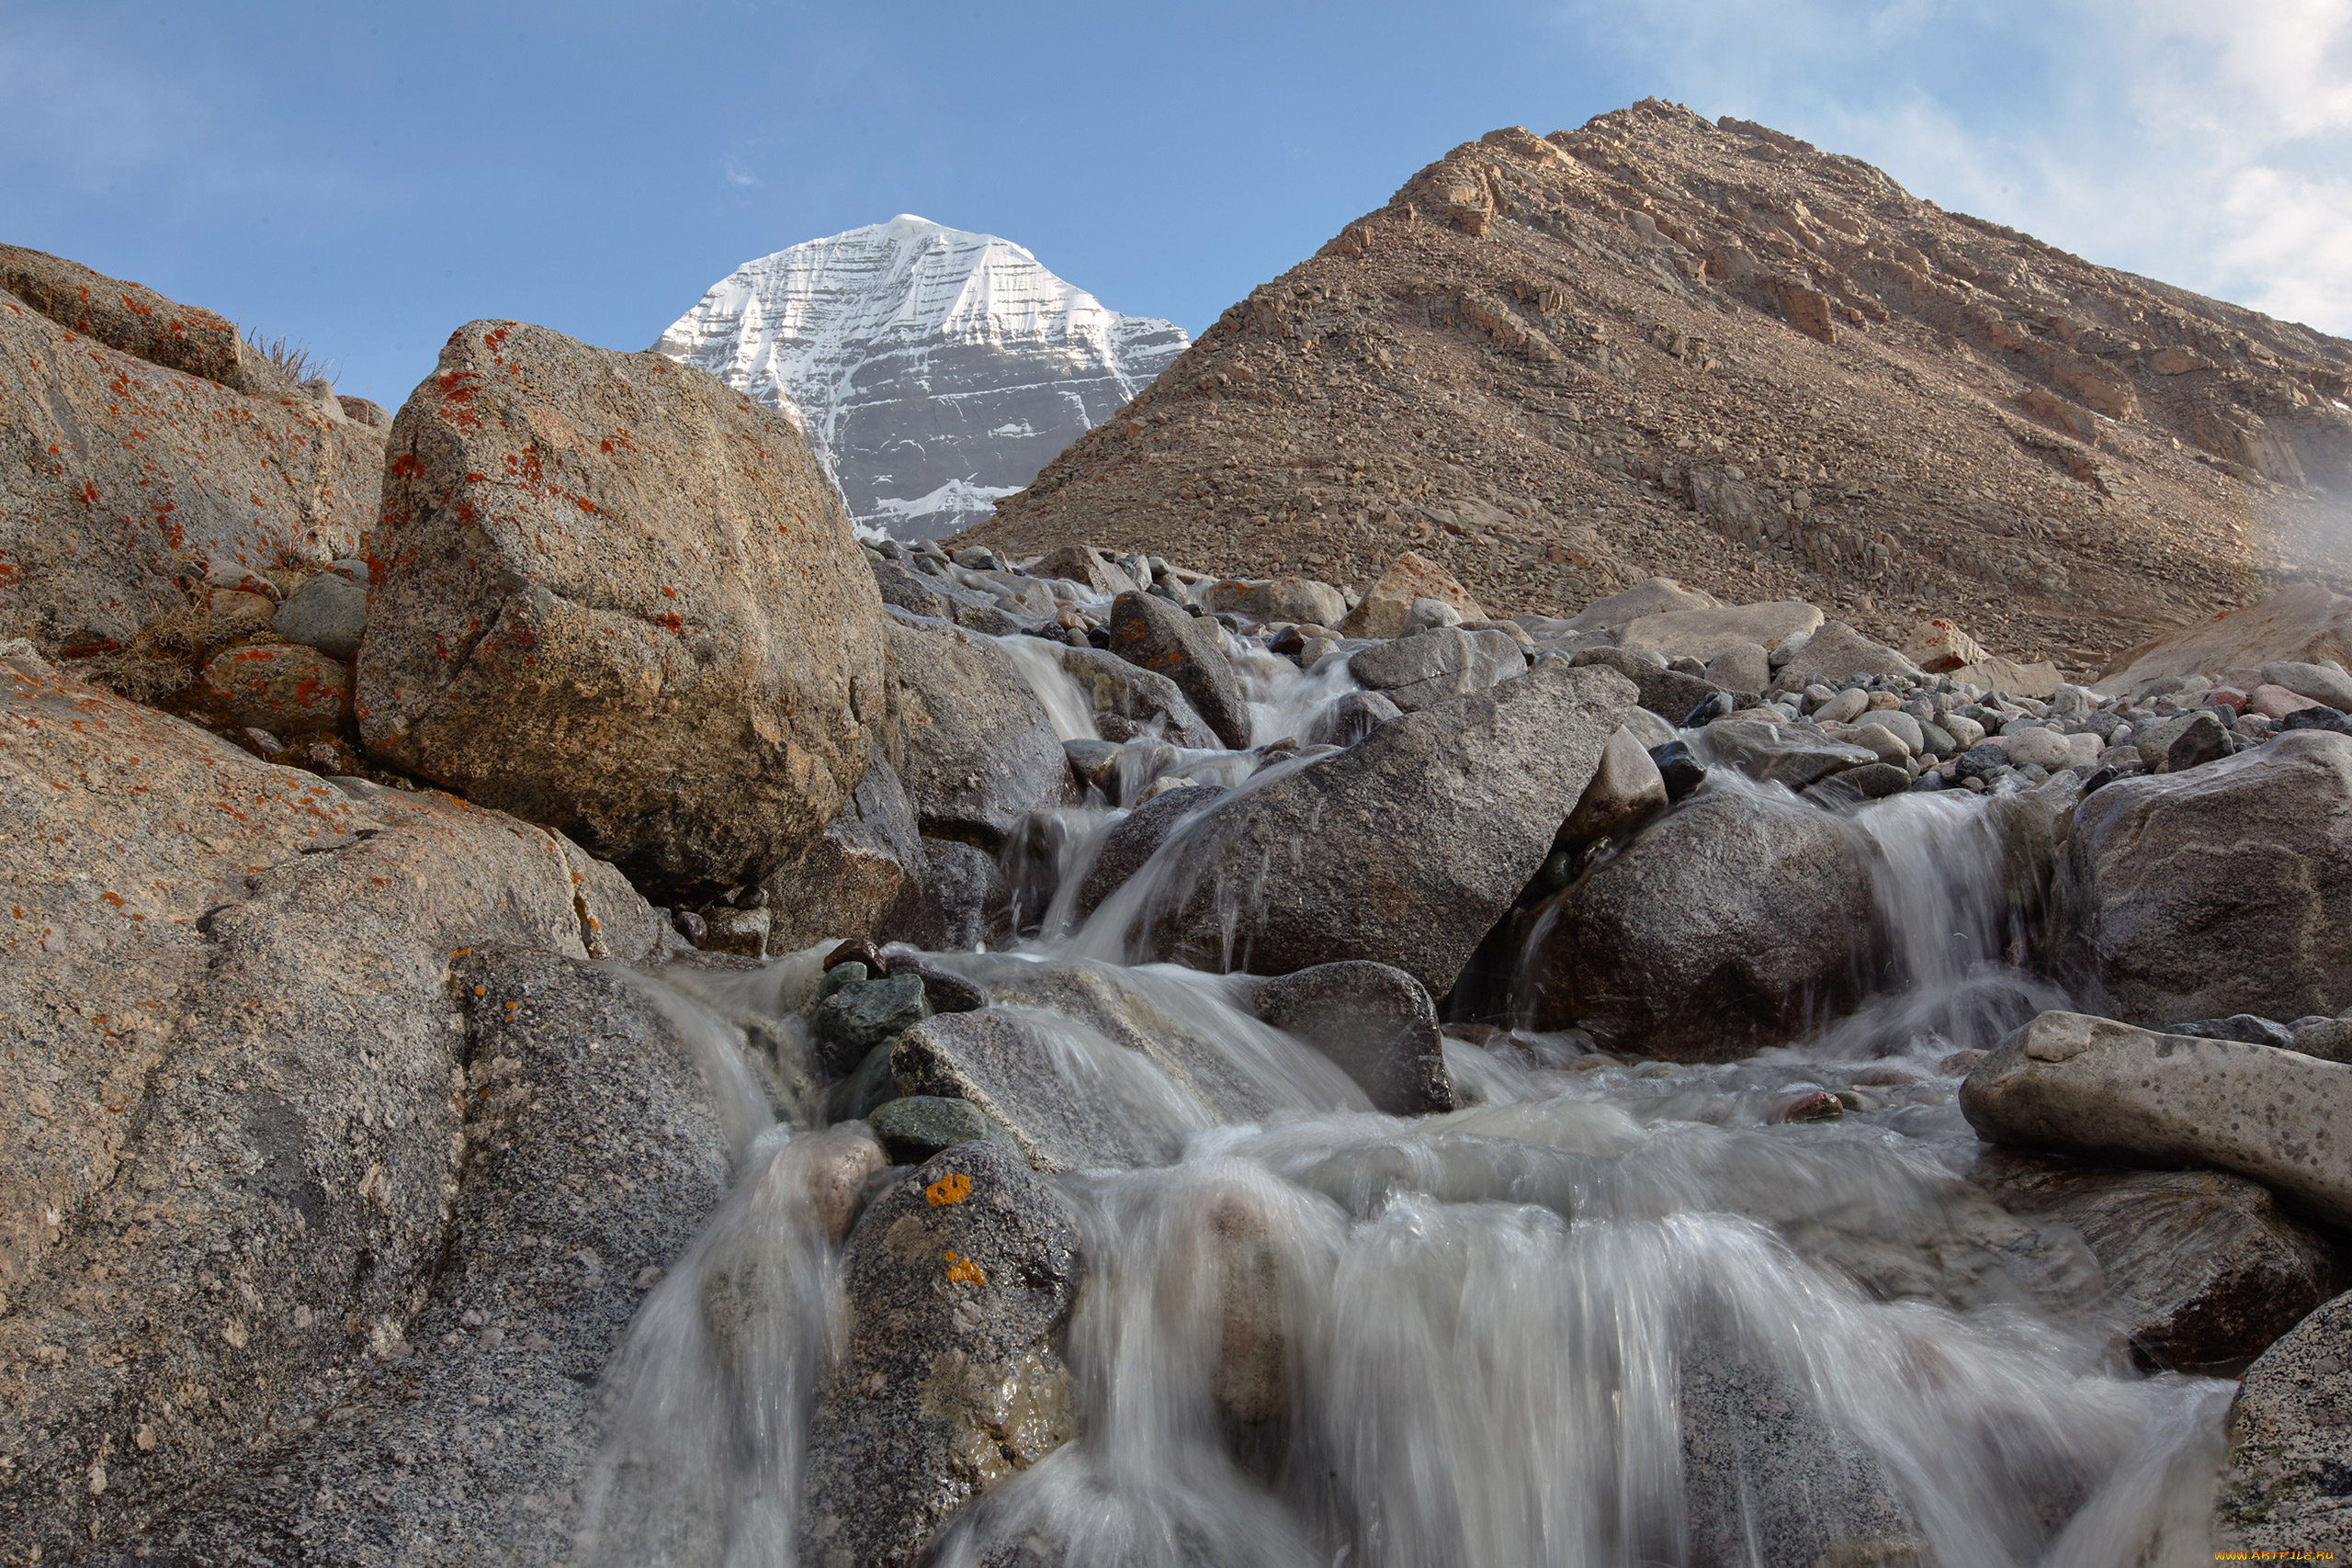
[[964, 1271], [952, 1188]]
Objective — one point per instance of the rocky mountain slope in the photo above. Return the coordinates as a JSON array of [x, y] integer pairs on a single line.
[[1656, 344], [932, 371]]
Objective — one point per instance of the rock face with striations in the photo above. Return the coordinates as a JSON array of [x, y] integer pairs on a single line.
[[138, 445], [612, 595], [1405, 849], [1557, 365], [2224, 889]]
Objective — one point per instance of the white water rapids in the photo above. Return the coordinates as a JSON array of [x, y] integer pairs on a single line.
[[1612, 1313]]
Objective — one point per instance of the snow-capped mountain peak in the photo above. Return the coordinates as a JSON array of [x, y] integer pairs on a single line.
[[932, 370]]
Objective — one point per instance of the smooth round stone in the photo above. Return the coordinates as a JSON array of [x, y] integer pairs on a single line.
[[914, 1127]]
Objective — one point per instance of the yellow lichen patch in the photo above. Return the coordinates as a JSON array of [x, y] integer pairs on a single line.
[[964, 1271], [952, 1188]]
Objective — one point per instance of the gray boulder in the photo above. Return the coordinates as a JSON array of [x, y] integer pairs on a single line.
[[2288, 1491], [2094, 1087], [1149, 631], [1404, 849], [977, 752], [1791, 755], [328, 612], [1299, 600], [2203, 1269], [1436, 666], [2320, 683], [914, 1127], [1730, 925], [1376, 1022], [1834, 654], [2217, 891], [861, 877], [962, 902], [1652, 596], [1671, 694], [612, 595], [958, 1277], [1129, 700]]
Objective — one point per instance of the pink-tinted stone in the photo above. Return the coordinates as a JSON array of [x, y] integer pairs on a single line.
[[2277, 702], [279, 687]]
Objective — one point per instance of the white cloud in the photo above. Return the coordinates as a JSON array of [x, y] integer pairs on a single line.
[[2197, 143], [737, 174]]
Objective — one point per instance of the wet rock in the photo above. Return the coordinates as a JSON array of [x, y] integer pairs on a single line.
[[1769, 1477], [908, 591], [2094, 1087], [1381, 611], [1155, 635], [1677, 768], [914, 1127], [961, 902], [2203, 1269], [2200, 741], [1136, 837], [614, 595], [1002, 1063], [2286, 1488], [1795, 755], [744, 932], [2217, 891], [1437, 666], [1730, 925], [1350, 717], [1836, 652], [1300, 600], [1405, 849], [863, 875], [1626, 791], [957, 1279], [1669, 693], [861, 1014], [1143, 702], [327, 611], [1376, 1022], [943, 991], [1872, 781], [978, 752], [1709, 634], [277, 687], [856, 950], [145, 965]]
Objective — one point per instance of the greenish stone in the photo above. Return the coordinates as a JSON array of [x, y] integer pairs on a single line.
[[862, 1014], [912, 1129]]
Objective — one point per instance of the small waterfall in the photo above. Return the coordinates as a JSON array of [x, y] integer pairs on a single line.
[[1064, 700]]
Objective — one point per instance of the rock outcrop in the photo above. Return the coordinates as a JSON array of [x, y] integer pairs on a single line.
[[144, 461], [612, 595]]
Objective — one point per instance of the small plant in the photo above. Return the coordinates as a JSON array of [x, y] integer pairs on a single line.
[[290, 361]]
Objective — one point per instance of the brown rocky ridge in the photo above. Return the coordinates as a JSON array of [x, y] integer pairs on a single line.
[[1656, 346]]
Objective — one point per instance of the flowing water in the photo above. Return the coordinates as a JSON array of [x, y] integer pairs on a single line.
[[1611, 1312]]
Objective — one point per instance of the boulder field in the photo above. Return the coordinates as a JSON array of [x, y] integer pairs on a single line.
[[611, 932]]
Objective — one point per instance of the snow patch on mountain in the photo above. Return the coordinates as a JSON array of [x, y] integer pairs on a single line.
[[932, 371]]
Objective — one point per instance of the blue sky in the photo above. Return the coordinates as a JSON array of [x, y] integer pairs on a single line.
[[367, 177]]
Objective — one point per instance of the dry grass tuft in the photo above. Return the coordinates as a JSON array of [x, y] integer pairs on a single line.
[[290, 361]]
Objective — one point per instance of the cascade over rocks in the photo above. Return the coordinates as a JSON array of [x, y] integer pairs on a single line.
[[1731, 924], [1133, 700], [2220, 890], [611, 594], [1404, 849], [980, 753], [2102, 1088], [1375, 1021]]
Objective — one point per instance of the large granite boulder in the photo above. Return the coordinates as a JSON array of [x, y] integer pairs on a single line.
[[1791, 755], [592, 1152], [139, 454], [1729, 925], [974, 749], [2224, 889], [2288, 1491], [958, 1278], [611, 594], [1380, 612], [1149, 631], [2094, 1087], [233, 1047], [1299, 600], [1404, 849]]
